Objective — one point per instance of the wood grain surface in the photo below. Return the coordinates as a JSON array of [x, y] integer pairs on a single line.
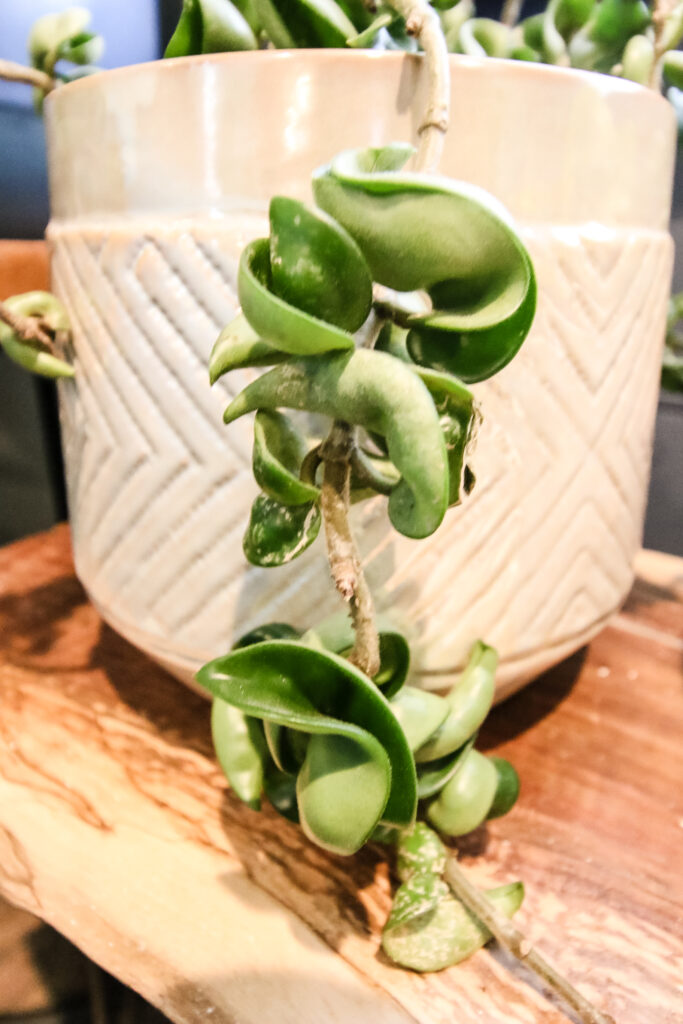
[[117, 828]]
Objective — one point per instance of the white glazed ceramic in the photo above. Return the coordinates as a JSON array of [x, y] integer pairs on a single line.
[[160, 173]]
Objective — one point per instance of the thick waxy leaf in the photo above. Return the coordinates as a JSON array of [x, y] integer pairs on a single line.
[[469, 702], [277, 533], [316, 266], [270, 631], [420, 714], [433, 776], [484, 37], [341, 791], [336, 634], [63, 36], [429, 929], [455, 405], [638, 59], [464, 254], [210, 26], [281, 325], [46, 307], [315, 692], [279, 450], [287, 746], [507, 789], [599, 44], [240, 749], [419, 850], [382, 394], [305, 23], [464, 802], [237, 346]]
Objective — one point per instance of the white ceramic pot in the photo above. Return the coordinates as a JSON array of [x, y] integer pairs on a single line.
[[160, 173]]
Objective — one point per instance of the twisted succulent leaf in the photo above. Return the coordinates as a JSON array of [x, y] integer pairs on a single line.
[[382, 394], [241, 751], [420, 714], [507, 788], [49, 309], [469, 702], [599, 44], [484, 37], [283, 326], [429, 929], [466, 800], [238, 346], [277, 533], [638, 59], [358, 770], [336, 634], [452, 20], [432, 776], [210, 26], [305, 23], [419, 850], [452, 240], [279, 450]]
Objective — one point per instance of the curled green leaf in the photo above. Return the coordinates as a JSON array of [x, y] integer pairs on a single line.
[[336, 634], [466, 256], [307, 24], [420, 714], [240, 749], [419, 850], [429, 929], [63, 36], [484, 37], [315, 692], [279, 450], [469, 702], [316, 266], [277, 534], [210, 26], [434, 775], [466, 800], [378, 392], [280, 324], [507, 788], [238, 346]]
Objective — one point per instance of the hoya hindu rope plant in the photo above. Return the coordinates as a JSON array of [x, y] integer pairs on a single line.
[[455, 301]]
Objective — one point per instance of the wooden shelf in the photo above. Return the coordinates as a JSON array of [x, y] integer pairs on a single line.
[[117, 828]]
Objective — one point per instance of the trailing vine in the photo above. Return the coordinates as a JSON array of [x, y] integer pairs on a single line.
[[376, 308]]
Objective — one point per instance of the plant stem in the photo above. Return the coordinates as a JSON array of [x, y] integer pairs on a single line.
[[511, 939], [28, 328], [342, 553], [511, 12], [13, 72], [423, 22]]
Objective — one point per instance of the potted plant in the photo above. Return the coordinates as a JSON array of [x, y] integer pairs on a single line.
[[151, 216]]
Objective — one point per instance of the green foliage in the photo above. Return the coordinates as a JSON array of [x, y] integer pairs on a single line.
[[49, 312], [458, 298], [210, 26], [610, 36], [357, 754], [64, 36]]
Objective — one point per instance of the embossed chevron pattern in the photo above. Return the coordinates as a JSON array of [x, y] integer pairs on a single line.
[[160, 491]]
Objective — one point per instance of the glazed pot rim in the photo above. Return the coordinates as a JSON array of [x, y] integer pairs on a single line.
[[519, 69]]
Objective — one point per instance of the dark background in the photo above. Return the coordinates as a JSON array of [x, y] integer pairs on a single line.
[[31, 488]]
